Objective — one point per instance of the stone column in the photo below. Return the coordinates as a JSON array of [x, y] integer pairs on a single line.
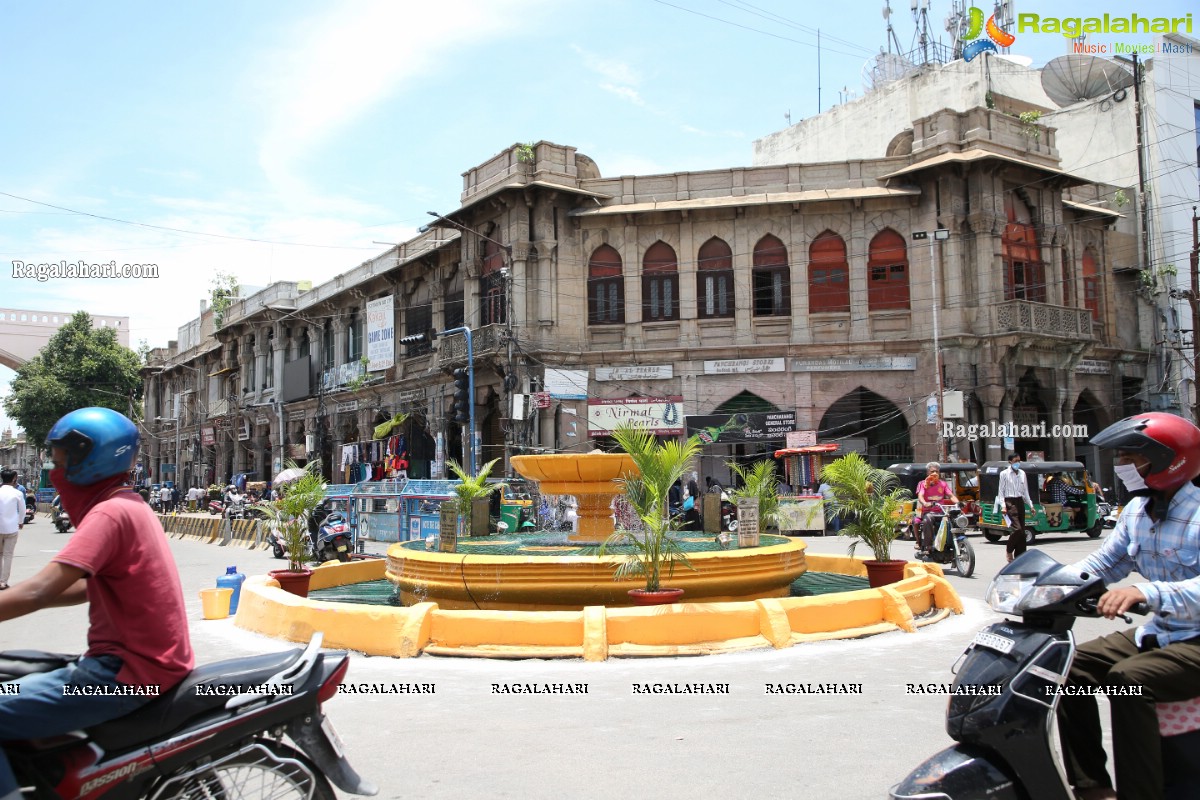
[[339, 340], [261, 345]]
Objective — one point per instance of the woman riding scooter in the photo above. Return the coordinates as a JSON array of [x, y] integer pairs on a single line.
[[1158, 535]]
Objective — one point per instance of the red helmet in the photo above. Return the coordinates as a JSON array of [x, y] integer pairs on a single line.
[[1170, 443]]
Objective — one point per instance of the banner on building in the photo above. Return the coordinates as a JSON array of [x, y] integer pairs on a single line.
[[662, 416], [568, 384], [381, 334], [743, 427]]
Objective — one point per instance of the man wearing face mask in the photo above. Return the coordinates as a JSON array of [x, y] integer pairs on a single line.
[[1158, 535], [1014, 491], [119, 564]]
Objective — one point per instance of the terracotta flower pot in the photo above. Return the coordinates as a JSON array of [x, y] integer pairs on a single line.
[[294, 582], [882, 573], [641, 597]]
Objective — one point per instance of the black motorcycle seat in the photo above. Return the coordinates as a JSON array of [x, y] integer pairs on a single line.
[[206, 689], [19, 663]]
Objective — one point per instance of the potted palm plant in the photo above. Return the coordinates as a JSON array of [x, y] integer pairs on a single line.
[[289, 514], [759, 483], [470, 489], [868, 501], [650, 552]]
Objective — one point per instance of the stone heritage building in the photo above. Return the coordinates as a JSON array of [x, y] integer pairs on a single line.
[[740, 302]]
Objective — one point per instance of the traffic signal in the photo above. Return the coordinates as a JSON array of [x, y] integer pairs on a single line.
[[461, 408]]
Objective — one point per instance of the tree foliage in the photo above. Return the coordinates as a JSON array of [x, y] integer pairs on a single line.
[[225, 289], [80, 366]]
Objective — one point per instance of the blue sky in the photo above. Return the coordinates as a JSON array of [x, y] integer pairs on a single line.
[[280, 141]]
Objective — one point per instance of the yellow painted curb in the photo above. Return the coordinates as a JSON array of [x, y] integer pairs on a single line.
[[596, 632]]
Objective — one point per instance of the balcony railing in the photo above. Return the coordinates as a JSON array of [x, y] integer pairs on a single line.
[[485, 341], [1041, 318]]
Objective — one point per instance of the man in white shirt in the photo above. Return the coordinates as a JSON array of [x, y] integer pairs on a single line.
[[1014, 491], [164, 499], [12, 519]]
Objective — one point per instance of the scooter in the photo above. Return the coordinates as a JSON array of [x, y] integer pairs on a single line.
[[1005, 695], [60, 518], [956, 550], [30, 508], [217, 734], [333, 540], [215, 507]]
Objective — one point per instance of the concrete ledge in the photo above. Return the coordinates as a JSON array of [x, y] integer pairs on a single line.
[[596, 632]]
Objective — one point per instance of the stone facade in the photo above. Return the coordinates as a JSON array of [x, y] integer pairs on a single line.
[[703, 294]]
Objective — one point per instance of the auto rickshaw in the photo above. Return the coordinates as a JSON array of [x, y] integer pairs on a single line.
[[963, 477], [1045, 517]]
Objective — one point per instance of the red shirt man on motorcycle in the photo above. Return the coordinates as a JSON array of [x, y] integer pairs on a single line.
[[931, 492], [119, 563]]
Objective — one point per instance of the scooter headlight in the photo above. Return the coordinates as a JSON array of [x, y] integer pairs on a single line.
[[1005, 592], [1042, 596]]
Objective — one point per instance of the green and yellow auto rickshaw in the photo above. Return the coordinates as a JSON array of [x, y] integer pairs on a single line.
[[1046, 516]]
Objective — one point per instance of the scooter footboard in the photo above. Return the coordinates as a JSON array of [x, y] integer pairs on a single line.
[[960, 772]]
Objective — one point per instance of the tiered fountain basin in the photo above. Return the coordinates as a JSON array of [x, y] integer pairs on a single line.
[[542, 573], [595, 633], [590, 477]]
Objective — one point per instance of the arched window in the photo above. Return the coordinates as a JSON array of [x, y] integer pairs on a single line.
[[660, 283], [1091, 284], [605, 287], [828, 275], [714, 279], [772, 278], [493, 291], [887, 272], [1024, 273]]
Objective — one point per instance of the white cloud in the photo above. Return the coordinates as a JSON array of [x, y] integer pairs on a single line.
[[625, 92]]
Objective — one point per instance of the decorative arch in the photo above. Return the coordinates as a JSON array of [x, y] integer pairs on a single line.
[[605, 287], [887, 272], [1024, 272], [660, 283], [714, 279], [772, 278], [828, 275], [875, 421]]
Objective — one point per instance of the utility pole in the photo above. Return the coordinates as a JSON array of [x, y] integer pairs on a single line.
[[939, 235], [1195, 301]]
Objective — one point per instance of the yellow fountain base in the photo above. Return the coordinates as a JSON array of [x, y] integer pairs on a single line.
[[567, 583]]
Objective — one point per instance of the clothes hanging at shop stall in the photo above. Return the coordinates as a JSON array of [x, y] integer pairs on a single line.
[[377, 460]]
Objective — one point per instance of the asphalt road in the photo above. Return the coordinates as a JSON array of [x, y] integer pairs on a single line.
[[467, 740]]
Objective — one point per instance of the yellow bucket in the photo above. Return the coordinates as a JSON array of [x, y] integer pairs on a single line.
[[215, 602]]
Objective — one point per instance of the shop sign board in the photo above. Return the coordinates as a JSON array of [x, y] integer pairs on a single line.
[[1092, 366], [744, 427], [801, 438], [381, 334], [638, 372], [569, 384], [661, 415], [731, 366], [855, 364]]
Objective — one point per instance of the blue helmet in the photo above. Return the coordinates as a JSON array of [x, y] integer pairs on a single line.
[[100, 443]]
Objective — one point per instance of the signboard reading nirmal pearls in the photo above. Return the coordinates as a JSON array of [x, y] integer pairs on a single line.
[[660, 415], [745, 427], [381, 334]]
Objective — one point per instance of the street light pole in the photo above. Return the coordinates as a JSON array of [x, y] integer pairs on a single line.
[[939, 235]]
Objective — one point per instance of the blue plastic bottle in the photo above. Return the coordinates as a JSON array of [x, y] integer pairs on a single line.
[[232, 579]]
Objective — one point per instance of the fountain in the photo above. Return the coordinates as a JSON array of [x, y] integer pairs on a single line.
[[591, 478], [555, 571]]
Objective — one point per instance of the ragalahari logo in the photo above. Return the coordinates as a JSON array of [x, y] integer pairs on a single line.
[[996, 35]]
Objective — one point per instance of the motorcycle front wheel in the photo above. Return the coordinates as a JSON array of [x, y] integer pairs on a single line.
[[964, 560], [265, 769]]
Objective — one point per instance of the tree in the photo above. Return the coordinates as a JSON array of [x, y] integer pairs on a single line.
[[225, 289], [80, 366]]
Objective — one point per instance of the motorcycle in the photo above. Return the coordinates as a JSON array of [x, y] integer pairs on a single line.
[[955, 549], [333, 540], [1005, 695], [220, 733], [729, 520], [215, 507], [60, 518], [30, 508]]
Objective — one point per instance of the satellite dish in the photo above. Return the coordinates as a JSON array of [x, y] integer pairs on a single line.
[[1074, 77], [884, 69]]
